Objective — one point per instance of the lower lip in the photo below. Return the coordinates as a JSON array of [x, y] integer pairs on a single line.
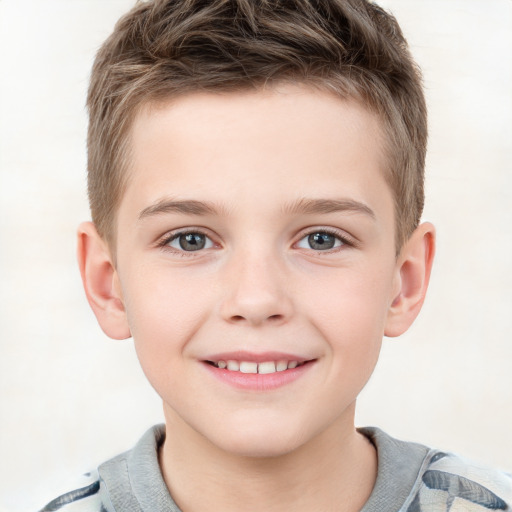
[[259, 381]]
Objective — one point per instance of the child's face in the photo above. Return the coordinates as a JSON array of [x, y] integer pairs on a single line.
[[257, 227]]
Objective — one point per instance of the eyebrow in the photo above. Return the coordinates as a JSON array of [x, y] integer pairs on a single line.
[[301, 206], [187, 207], [314, 206]]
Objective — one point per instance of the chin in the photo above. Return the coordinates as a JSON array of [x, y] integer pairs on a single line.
[[257, 440], [258, 446], [246, 432]]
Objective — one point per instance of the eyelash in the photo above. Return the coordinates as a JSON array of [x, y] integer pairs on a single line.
[[165, 242], [346, 241]]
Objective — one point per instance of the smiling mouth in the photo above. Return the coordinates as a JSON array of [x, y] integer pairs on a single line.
[[266, 367]]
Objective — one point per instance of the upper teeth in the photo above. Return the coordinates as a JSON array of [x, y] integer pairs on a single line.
[[252, 367]]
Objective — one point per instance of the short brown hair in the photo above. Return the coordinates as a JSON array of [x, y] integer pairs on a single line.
[[164, 48]]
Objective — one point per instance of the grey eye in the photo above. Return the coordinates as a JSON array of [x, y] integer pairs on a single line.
[[320, 241], [191, 242]]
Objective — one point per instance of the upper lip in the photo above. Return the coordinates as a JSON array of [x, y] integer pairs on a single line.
[[260, 357]]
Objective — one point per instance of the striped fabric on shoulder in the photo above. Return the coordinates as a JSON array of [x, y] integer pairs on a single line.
[[85, 498], [453, 484]]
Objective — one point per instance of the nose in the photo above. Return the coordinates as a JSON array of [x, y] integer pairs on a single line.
[[256, 290]]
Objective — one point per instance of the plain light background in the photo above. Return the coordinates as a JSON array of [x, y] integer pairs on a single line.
[[70, 398]]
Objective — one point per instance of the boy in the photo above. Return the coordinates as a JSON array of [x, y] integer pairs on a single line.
[[256, 185]]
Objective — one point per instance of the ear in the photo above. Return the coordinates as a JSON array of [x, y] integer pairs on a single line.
[[413, 273], [101, 282]]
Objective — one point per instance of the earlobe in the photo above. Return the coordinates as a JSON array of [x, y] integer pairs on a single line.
[[413, 273], [100, 281]]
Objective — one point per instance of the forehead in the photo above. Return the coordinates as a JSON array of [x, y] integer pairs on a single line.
[[241, 147]]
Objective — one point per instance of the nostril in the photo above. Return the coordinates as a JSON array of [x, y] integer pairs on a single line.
[[251, 319]]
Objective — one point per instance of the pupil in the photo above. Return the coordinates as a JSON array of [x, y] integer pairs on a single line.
[[321, 241], [192, 241]]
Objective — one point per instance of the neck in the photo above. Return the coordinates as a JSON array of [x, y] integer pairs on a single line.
[[334, 471]]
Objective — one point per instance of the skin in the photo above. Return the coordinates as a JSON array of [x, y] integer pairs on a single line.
[[259, 161]]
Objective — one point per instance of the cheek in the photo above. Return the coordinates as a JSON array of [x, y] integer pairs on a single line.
[[350, 315], [164, 311], [350, 307]]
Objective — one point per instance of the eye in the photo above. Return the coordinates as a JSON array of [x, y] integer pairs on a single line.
[[320, 241], [190, 241]]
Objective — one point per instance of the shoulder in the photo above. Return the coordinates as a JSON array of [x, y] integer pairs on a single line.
[[453, 483], [416, 478], [85, 497], [128, 482]]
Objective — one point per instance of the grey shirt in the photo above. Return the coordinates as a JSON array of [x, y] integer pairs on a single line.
[[410, 478]]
